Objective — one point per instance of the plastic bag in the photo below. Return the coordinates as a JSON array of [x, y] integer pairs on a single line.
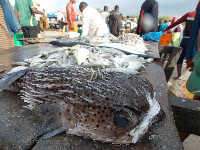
[[152, 36]]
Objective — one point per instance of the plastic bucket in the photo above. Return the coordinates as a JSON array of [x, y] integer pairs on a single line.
[[80, 31], [18, 36]]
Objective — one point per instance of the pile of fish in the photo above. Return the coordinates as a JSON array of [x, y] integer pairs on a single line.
[[129, 43], [84, 55]]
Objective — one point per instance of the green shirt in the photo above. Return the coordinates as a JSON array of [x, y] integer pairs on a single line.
[[26, 16]]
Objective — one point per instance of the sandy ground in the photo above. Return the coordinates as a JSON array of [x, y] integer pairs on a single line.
[[192, 142]]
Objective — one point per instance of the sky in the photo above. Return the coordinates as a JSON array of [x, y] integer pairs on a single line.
[[127, 7]]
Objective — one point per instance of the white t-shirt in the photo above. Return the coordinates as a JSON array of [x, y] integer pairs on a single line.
[[133, 25], [60, 16], [93, 23], [105, 16], [37, 16]]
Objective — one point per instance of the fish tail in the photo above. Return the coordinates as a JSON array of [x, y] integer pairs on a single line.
[[6, 80]]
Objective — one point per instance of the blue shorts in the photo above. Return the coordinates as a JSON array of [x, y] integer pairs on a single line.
[[184, 44]]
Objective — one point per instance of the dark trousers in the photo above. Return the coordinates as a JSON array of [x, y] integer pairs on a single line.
[[184, 44], [30, 32]]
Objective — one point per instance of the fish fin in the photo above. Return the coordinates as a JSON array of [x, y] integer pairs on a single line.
[[49, 118], [10, 78], [51, 134]]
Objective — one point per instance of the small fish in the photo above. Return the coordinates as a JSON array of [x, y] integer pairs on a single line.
[[106, 106], [81, 54], [16, 69], [19, 64]]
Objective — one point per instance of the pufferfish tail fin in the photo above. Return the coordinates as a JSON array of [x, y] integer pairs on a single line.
[[7, 79]]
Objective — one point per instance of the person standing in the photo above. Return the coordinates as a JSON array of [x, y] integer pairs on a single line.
[[115, 22], [128, 25], [148, 19], [37, 18], [159, 25], [105, 15], [176, 33], [77, 17], [9, 25], [163, 26], [193, 82], [133, 26], [24, 10], [71, 17], [60, 18], [44, 23], [93, 23], [123, 23], [189, 18]]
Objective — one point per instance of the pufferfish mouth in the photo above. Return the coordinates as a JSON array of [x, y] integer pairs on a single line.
[[147, 121], [139, 128]]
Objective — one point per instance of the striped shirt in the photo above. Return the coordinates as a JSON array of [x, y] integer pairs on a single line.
[[5, 40]]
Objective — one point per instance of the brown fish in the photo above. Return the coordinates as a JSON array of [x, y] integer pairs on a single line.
[[105, 106]]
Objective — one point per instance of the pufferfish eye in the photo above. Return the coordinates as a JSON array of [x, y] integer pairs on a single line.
[[120, 121]]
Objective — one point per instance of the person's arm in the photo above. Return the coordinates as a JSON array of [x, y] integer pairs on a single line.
[[119, 25], [35, 10], [69, 9], [17, 14], [154, 12], [179, 21]]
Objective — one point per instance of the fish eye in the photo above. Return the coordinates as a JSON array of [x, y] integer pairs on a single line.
[[120, 121]]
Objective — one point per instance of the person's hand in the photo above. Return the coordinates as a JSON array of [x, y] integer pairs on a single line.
[[164, 31], [44, 16], [20, 31], [119, 33], [72, 26]]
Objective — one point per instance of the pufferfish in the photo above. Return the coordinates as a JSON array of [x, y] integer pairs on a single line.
[[101, 105]]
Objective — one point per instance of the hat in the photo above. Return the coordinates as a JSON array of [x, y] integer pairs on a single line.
[[193, 83]]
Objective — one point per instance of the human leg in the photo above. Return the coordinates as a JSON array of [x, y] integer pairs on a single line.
[[25, 32], [183, 44], [33, 32]]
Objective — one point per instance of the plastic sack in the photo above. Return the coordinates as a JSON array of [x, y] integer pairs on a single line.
[[152, 36]]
